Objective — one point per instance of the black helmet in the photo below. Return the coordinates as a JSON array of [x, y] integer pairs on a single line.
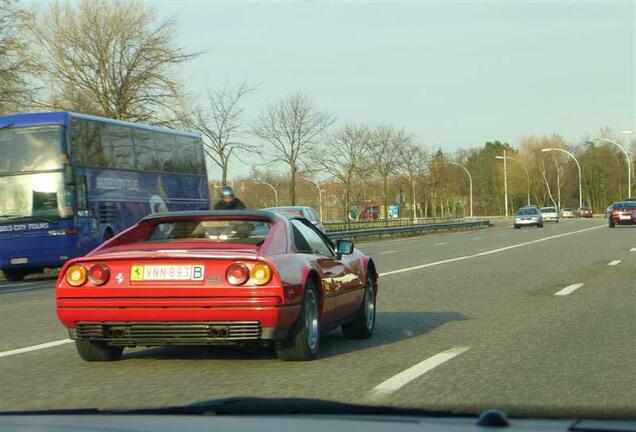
[[227, 191]]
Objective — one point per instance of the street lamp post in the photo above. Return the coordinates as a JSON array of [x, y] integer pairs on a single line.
[[629, 163], [505, 180], [577, 165], [319, 194], [470, 183], [271, 186], [504, 157], [414, 202]]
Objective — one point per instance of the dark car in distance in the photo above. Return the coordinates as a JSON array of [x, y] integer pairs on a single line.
[[585, 212]]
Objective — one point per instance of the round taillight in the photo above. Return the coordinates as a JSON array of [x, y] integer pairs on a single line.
[[76, 275], [237, 274], [99, 274], [261, 274]]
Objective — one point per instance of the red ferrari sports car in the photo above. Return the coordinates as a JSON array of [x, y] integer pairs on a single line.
[[216, 277]]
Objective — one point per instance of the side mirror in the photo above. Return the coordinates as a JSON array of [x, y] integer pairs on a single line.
[[344, 247], [69, 175]]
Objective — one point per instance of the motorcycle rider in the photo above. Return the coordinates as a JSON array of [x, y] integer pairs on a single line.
[[228, 200]]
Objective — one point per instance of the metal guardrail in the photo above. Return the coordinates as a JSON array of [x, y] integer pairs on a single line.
[[380, 223], [372, 232]]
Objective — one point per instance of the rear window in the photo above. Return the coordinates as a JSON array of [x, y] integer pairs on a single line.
[[548, 210], [244, 232], [625, 206], [292, 212], [527, 211]]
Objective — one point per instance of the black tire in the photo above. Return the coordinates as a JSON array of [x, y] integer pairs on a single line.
[[14, 275], [108, 234], [304, 339], [98, 351], [364, 322], [539, 225], [612, 225], [517, 226]]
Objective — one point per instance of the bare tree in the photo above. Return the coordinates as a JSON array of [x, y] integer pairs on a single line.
[[109, 58], [16, 66], [343, 156], [385, 151], [292, 128], [220, 124], [413, 162]]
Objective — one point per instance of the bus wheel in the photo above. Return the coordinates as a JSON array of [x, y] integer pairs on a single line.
[[14, 275], [108, 234]]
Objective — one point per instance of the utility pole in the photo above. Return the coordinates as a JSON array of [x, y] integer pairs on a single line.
[[414, 202]]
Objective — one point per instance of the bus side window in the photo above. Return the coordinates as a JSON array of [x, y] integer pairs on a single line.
[[82, 196], [145, 150], [86, 145], [165, 152], [118, 146]]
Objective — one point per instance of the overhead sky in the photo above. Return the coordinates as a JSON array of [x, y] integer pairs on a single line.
[[454, 74]]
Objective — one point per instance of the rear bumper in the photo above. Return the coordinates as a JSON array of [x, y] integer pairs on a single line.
[[618, 221], [178, 325], [175, 333], [526, 222]]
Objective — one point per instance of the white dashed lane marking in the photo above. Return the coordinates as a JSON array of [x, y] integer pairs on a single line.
[[34, 347], [568, 289], [398, 381], [613, 263]]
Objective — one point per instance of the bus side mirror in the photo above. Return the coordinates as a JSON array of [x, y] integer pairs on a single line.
[[69, 175]]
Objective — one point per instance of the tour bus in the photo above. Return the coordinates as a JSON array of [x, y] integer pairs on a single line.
[[70, 181]]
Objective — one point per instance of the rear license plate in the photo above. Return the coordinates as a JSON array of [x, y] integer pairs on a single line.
[[19, 260], [627, 217], [194, 272]]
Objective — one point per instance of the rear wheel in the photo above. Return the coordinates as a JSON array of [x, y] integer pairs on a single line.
[[517, 226], [14, 275], [304, 339], [98, 351], [540, 225], [611, 224], [364, 322]]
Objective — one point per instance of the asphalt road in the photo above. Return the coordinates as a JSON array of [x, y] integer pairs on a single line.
[[466, 321]]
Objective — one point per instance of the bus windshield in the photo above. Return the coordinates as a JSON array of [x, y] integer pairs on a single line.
[[30, 149], [34, 195]]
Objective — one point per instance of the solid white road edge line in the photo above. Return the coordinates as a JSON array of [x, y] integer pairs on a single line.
[[398, 381], [613, 263], [632, 250], [568, 289], [387, 252], [465, 257], [440, 244], [34, 347]]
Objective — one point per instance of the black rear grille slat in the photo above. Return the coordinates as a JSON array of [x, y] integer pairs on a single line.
[[170, 332]]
